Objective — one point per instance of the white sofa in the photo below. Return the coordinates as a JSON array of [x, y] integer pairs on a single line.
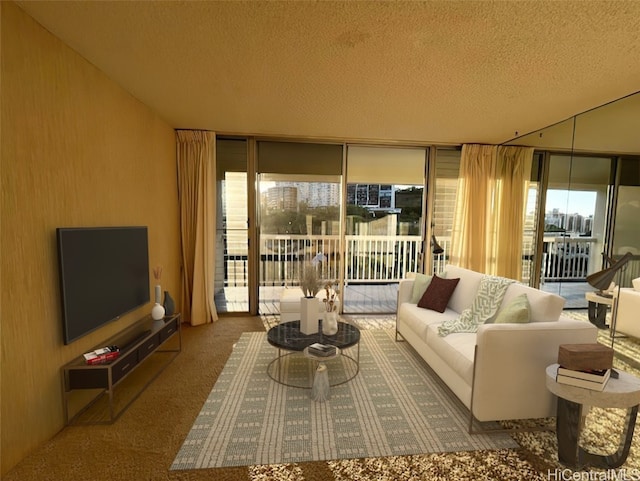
[[628, 306], [497, 372]]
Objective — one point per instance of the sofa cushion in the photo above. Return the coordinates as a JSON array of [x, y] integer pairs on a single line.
[[418, 319], [544, 306], [516, 311], [456, 350], [420, 284], [466, 289], [437, 295]]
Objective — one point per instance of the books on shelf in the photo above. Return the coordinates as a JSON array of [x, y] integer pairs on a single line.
[[321, 350], [589, 379], [102, 355]]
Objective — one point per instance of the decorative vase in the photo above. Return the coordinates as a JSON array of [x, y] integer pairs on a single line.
[[157, 312], [168, 304], [320, 388], [158, 292], [330, 323], [308, 315]]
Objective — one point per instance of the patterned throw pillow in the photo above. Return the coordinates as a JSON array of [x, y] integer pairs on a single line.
[[517, 311], [420, 284], [438, 293]]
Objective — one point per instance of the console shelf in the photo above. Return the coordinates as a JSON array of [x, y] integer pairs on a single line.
[[136, 343]]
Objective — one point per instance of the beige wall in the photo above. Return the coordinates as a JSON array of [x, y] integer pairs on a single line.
[[76, 151]]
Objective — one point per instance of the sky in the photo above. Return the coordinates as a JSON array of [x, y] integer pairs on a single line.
[[583, 203]]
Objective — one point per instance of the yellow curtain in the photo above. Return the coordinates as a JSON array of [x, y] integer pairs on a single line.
[[490, 208], [196, 190]]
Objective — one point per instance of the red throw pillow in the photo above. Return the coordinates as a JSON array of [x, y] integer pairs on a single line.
[[437, 295]]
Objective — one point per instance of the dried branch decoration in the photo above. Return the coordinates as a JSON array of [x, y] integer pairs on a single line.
[[309, 281], [331, 294], [157, 273]]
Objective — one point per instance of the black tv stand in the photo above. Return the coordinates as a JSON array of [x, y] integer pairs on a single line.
[[128, 345], [136, 343]]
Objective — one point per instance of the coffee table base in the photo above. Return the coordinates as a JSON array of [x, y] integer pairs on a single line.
[[275, 372]]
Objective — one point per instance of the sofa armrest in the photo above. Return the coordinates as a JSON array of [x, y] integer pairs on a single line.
[[510, 362], [628, 306], [405, 291], [510, 348]]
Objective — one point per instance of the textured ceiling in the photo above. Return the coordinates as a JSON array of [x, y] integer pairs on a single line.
[[434, 71]]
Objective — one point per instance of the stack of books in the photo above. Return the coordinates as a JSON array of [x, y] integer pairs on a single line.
[[103, 355], [585, 365], [595, 380]]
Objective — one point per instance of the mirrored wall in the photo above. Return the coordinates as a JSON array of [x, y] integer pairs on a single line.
[[588, 194]]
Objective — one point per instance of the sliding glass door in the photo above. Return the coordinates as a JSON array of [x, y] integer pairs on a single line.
[[299, 187], [384, 224]]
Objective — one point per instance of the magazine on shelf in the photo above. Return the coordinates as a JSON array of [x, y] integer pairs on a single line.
[[592, 375], [323, 350]]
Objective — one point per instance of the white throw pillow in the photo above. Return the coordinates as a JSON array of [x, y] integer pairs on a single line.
[[636, 284]]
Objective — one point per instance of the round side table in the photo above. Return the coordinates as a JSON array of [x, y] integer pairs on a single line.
[[623, 392]]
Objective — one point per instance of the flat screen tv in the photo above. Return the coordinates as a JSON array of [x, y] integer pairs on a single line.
[[104, 273]]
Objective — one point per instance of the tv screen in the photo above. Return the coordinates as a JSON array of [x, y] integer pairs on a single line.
[[104, 273]]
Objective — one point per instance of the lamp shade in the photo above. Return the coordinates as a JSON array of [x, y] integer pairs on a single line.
[[436, 248], [601, 280]]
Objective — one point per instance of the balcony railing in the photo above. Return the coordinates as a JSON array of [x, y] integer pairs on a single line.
[[368, 259], [386, 259]]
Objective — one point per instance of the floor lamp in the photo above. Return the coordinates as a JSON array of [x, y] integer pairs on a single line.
[[602, 280]]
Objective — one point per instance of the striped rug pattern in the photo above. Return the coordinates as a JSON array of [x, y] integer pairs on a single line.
[[394, 406]]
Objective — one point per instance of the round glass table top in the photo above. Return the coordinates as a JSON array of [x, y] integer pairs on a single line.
[[287, 336]]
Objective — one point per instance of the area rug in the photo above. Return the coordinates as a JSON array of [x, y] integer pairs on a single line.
[[394, 406]]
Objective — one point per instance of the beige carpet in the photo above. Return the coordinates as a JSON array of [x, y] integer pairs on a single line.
[[142, 444]]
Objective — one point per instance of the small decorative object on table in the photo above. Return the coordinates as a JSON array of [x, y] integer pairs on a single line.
[[330, 321], [585, 357], [168, 304], [157, 311], [310, 284], [585, 365], [320, 389]]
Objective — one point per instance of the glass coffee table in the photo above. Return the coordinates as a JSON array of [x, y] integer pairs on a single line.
[[289, 341]]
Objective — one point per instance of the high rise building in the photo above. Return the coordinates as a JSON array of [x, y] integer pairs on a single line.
[[282, 198]]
